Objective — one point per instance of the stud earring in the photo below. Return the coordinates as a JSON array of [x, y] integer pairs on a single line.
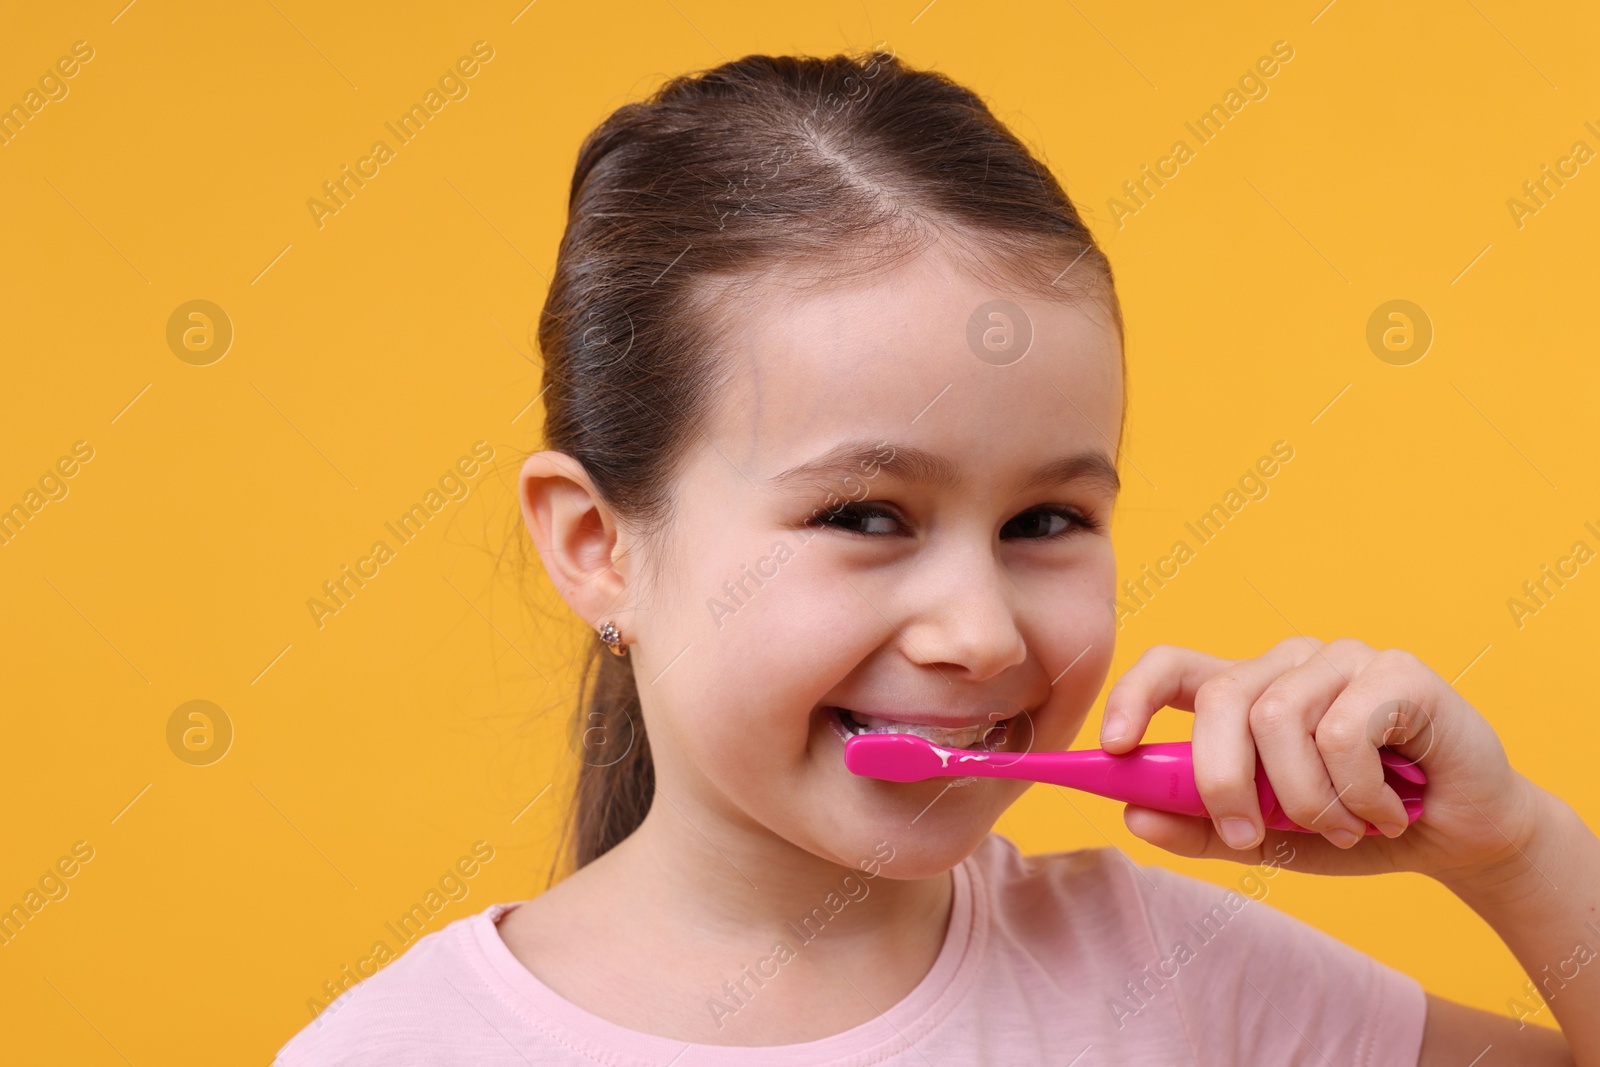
[[613, 639]]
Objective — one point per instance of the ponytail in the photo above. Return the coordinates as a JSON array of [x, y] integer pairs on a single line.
[[616, 778]]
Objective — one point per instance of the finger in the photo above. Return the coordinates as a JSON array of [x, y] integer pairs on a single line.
[[1224, 751], [1183, 835], [1404, 718], [1382, 706], [1284, 720], [1196, 838], [1164, 676]]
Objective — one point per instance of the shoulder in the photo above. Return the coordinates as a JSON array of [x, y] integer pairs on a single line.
[[1248, 976], [1105, 890], [1240, 973], [395, 1016], [1162, 912]]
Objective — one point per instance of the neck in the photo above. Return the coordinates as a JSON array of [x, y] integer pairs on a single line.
[[763, 884], [683, 928]]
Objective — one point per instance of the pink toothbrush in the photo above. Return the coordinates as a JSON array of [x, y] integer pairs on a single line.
[[1159, 776]]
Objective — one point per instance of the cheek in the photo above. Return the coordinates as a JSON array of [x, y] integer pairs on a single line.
[[1070, 622], [766, 631]]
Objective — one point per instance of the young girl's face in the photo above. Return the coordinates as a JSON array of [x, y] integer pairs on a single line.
[[959, 574]]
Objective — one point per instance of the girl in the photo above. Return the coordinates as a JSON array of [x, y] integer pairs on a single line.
[[835, 400]]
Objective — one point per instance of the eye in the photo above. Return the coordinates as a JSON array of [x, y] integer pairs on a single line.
[[1051, 522], [849, 516]]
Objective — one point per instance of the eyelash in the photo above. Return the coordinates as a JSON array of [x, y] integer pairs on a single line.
[[1076, 520]]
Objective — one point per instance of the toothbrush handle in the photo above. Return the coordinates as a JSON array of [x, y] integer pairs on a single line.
[[1161, 776]]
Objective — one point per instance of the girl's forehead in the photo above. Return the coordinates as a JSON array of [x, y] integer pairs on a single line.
[[895, 358]]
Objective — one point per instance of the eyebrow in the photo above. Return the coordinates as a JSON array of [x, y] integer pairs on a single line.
[[918, 466]]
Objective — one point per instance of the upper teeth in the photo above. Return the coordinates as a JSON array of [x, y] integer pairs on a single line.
[[950, 737]]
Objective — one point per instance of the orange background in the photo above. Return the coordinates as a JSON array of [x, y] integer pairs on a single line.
[[371, 352]]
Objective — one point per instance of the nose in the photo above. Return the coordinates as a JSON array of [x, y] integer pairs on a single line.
[[959, 616]]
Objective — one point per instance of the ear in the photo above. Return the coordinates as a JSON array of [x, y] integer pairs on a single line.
[[577, 537]]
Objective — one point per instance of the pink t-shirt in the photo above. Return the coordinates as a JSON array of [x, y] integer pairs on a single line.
[[1081, 958]]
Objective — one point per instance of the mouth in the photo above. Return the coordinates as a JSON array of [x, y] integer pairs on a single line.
[[985, 736]]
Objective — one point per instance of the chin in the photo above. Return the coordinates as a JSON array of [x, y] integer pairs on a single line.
[[924, 855], [930, 826]]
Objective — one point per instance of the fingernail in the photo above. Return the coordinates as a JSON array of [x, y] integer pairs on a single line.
[[1238, 833], [1113, 728], [1341, 837], [1391, 829]]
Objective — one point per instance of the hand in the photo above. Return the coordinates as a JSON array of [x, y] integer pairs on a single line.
[[1316, 714]]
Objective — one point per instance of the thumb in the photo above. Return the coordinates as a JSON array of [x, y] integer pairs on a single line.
[[1188, 835], [1196, 838]]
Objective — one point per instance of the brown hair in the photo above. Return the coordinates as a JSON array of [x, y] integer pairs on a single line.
[[840, 165]]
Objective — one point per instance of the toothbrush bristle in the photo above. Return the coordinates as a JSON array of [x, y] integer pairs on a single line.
[[891, 757]]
